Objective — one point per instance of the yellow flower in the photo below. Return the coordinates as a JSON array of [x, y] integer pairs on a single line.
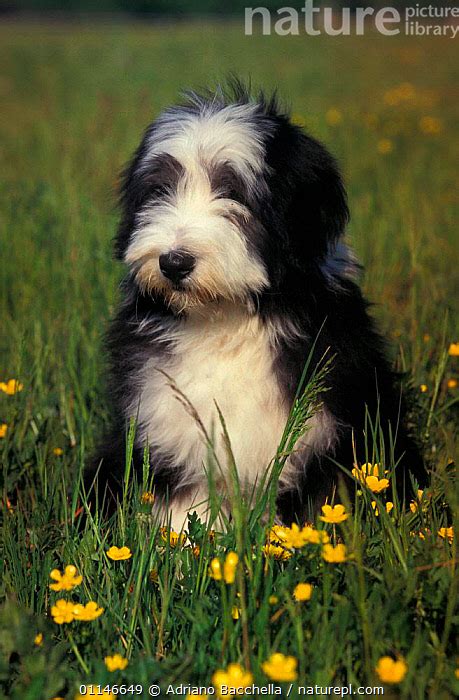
[[280, 668], [376, 485], [423, 388], [175, 539], [385, 146], [3, 429], [66, 581], [234, 679], [58, 451], [401, 93], [88, 612], [119, 553], [190, 696], [302, 591], [333, 117], [334, 555], [368, 474], [116, 662], [38, 641], [389, 506], [276, 551], [415, 504], [215, 569], [390, 671], [298, 120], [293, 537], [453, 350], [11, 387], [430, 125], [235, 612], [452, 384], [230, 566], [447, 533], [62, 611], [334, 515], [313, 536], [147, 498], [273, 599]]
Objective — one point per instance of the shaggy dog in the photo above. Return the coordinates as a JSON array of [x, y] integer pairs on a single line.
[[231, 230]]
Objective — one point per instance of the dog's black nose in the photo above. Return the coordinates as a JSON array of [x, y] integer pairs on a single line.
[[176, 265]]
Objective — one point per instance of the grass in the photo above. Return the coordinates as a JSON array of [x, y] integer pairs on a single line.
[[74, 102]]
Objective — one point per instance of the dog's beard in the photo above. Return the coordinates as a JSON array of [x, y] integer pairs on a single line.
[[188, 294]]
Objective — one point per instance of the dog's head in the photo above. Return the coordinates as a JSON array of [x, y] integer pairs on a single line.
[[226, 199]]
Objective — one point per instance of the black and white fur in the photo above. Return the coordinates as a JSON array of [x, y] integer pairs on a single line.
[[258, 209]]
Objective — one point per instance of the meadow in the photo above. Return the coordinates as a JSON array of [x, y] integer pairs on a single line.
[[379, 583]]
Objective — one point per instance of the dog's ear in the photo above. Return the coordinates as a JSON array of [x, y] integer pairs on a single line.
[[133, 193], [311, 193]]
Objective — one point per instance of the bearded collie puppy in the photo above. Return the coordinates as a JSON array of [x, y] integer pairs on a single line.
[[232, 234]]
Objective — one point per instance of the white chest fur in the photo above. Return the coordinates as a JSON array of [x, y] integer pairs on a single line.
[[224, 359]]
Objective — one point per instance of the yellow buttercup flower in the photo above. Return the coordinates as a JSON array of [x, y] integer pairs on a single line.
[[11, 387], [38, 641], [452, 384], [302, 591], [215, 569], [415, 504], [390, 671], [334, 555], [453, 350], [298, 120], [235, 612], [368, 474], [175, 539], [280, 668], [335, 514], [273, 599], [294, 537], [119, 553], [230, 566], [62, 611], [66, 581], [423, 388], [430, 125], [88, 612], [58, 451], [385, 146], [401, 93], [116, 662], [233, 680], [447, 533], [333, 117], [313, 536], [276, 552], [389, 506], [147, 498], [3, 430]]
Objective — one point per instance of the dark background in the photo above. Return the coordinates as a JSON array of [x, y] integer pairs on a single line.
[[185, 7]]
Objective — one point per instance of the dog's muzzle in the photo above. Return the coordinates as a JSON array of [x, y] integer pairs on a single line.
[[176, 265]]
